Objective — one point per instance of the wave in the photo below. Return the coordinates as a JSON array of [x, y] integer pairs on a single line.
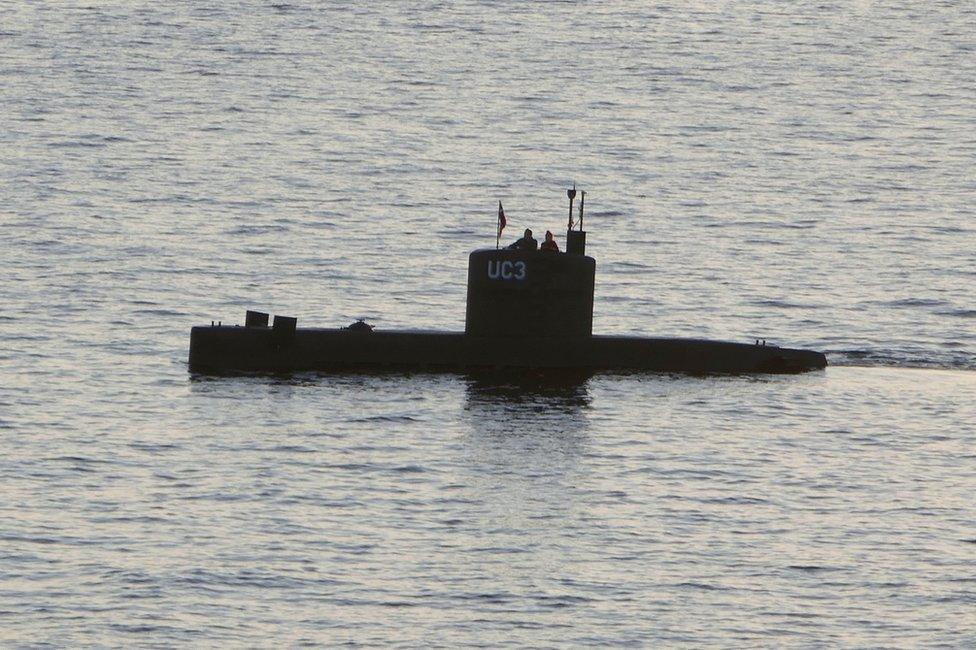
[[894, 358]]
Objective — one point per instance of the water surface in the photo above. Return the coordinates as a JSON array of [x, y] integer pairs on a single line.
[[800, 174]]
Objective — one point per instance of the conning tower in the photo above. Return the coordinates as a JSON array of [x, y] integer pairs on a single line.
[[532, 294]]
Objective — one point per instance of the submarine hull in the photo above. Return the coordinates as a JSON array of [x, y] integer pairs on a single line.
[[222, 349]]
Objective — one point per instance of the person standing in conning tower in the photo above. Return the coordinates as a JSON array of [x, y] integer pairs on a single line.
[[527, 243], [549, 244]]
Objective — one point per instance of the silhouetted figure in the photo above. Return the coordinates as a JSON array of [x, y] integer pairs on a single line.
[[527, 243], [360, 326], [549, 244]]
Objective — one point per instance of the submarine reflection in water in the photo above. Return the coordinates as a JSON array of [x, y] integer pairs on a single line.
[[516, 300]]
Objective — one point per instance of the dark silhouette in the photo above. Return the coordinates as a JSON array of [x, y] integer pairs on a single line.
[[549, 244], [527, 243], [360, 326], [522, 314]]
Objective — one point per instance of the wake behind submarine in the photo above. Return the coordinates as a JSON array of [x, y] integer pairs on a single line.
[[517, 301]]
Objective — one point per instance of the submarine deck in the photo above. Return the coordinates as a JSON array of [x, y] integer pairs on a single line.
[[262, 349]]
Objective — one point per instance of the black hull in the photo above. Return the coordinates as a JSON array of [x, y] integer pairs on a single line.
[[225, 349]]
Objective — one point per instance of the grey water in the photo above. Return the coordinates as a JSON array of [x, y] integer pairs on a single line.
[[797, 172]]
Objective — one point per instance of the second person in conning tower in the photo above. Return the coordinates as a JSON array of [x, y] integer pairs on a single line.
[[549, 244]]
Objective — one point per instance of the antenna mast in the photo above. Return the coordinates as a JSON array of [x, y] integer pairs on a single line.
[[582, 200], [572, 195]]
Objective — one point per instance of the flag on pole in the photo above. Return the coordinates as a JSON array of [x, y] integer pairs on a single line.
[[501, 223]]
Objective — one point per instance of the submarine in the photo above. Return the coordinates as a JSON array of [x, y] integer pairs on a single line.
[[527, 310]]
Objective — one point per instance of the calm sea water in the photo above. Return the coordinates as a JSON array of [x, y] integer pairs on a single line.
[[803, 174]]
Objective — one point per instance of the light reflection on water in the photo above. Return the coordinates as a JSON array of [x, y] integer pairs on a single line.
[[799, 174], [393, 507]]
